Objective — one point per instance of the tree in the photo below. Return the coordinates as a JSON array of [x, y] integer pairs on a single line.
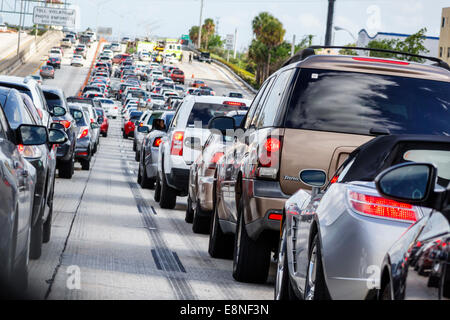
[[193, 34], [257, 54], [208, 29], [215, 41], [349, 52]]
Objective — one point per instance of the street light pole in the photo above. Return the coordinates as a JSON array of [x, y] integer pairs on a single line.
[[328, 32], [337, 28], [200, 26], [20, 27]]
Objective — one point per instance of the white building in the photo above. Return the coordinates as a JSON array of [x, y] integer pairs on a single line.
[[431, 43]]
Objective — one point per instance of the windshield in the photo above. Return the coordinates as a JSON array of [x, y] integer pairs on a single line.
[[355, 103], [203, 112]]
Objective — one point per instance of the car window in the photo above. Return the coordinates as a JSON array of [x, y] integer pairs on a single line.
[[254, 105], [261, 102], [2, 118], [355, 103], [15, 112], [271, 106], [203, 112]]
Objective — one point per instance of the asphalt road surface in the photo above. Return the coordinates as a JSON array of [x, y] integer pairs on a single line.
[[110, 240]]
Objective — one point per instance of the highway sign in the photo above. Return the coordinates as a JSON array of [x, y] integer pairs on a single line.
[[54, 16], [229, 42]]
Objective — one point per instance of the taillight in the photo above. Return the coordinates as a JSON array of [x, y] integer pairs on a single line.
[[234, 103], [65, 123], [29, 151], [217, 156], [334, 179], [380, 207], [269, 158], [157, 142], [83, 133], [177, 144]]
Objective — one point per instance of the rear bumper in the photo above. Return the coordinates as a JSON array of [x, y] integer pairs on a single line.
[[63, 153], [179, 180]]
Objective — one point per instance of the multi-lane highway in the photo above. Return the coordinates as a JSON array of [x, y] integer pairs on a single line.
[[110, 240]]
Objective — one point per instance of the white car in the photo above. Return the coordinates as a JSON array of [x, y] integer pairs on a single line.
[[3, 27], [55, 53], [184, 141], [77, 61], [110, 107], [108, 53]]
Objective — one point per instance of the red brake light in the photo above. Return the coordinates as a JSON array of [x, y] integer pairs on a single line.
[[269, 159], [177, 144], [65, 123], [275, 216], [381, 207], [234, 103], [157, 142], [380, 60], [334, 180], [83, 134], [20, 148], [272, 145], [215, 159]]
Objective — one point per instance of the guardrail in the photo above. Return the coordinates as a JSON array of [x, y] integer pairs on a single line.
[[88, 76], [7, 66]]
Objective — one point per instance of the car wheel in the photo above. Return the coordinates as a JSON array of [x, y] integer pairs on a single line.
[[168, 195], [37, 236], [134, 145], [251, 259], [137, 155], [283, 287], [48, 226], [157, 194], [95, 148], [146, 182], [85, 164], [201, 221], [221, 245], [386, 292], [139, 177], [315, 288], [20, 273], [65, 170], [124, 135], [189, 217]]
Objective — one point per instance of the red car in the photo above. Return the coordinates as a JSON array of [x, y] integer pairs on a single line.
[[177, 75], [120, 58], [129, 126], [198, 83], [102, 121]]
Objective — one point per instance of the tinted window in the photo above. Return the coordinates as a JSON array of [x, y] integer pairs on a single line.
[[203, 112], [356, 102], [135, 115], [15, 112], [238, 119], [254, 105], [52, 100], [271, 108], [261, 101]]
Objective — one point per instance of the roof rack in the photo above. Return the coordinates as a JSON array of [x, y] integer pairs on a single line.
[[303, 54]]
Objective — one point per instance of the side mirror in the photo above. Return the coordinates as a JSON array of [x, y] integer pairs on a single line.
[[56, 136], [222, 124], [314, 178], [94, 125], [77, 115], [143, 129], [57, 111], [415, 184], [29, 135], [56, 125], [100, 120]]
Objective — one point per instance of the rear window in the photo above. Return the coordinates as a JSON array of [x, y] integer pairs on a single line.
[[203, 112], [76, 114], [52, 100], [355, 103], [135, 115]]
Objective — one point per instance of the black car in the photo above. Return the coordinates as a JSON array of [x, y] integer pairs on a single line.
[[417, 266], [20, 110], [66, 152], [55, 62]]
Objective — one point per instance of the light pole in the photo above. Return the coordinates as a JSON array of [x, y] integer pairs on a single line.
[[337, 28], [199, 42]]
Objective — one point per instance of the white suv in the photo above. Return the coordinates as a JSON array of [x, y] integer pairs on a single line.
[[183, 143]]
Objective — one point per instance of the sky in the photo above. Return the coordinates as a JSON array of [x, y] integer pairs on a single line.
[[172, 18]]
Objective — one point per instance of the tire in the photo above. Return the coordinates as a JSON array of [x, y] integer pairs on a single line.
[[19, 274], [95, 149], [146, 182], [251, 260], [85, 164], [37, 237], [105, 134], [386, 292], [283, 288], [134, 145], [125, 135], [315, 289], [168, 199], [189, 217], [157, 194], [48, 226], [65, 170], [201, 221], [137, 156], [139, 177], [221, 245]]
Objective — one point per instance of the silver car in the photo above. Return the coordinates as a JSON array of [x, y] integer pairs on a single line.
[[333, 242], [139, 135]]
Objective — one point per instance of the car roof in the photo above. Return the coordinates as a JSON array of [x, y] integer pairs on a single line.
[[373, 65], [379, 153], [217, 99]]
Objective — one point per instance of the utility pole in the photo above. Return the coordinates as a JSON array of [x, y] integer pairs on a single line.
[[235, 42], [328, 33], [199, 42], [20, 27], [293, 46]]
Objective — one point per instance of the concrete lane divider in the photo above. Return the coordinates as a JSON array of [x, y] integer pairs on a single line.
[[88, 76]]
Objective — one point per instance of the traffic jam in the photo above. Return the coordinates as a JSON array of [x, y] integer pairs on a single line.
[[165, 178]]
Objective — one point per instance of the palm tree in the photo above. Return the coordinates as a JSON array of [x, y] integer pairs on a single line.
[[193, 34], [208, 30], [257, 53]]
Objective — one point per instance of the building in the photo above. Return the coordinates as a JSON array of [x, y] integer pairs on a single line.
[[444, 42], [431, 43]]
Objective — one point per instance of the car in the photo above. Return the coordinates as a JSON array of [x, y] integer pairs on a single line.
[[363, 213], [149, 150], [177, 75], [85, 40], [200, 202], [47, 71], [426, 184], [284, 137], [155, 101], [198, 83], [66, 43], [37, 77], [71, 37], [77, 61], [16, 198], [102, 121], [93, 94], [169, 93], [185, 137], [116, 47], [146, 120], [85, 139], [80, 50], [173, 102], [204, 57], [190, 91], [3, 27], [119, 58], [55, 53], [235, 95], [65, 153], [55, 62], [110, 107], [130, 123], [204, 91], [20, 110]]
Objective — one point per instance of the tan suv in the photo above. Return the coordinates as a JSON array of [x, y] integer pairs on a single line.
[[310, 114]]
